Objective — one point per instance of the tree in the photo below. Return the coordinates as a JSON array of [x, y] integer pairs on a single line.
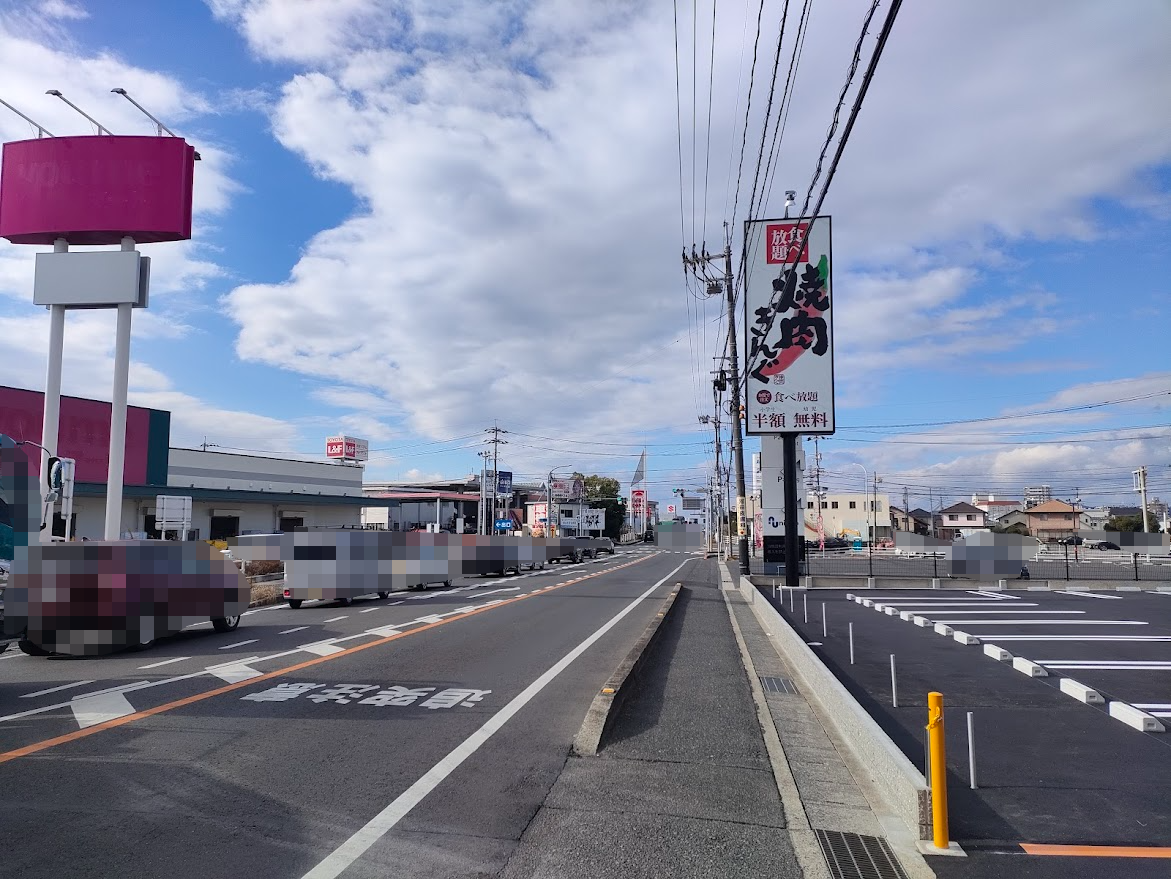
[[1017, 528], [1125, 523], [602, 494]]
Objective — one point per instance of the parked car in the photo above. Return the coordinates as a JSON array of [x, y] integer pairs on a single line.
[[1074, 540], [603, 545]]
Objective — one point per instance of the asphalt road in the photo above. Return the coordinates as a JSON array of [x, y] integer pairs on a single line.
[[254, 753], [1051, 770]]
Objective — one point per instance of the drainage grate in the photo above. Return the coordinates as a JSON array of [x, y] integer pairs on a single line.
[[778, 685], [855, 856]]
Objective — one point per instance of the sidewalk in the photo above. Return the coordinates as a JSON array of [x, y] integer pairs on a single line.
[[716, 767]]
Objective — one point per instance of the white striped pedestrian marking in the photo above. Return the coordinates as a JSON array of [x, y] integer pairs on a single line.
[[164, 662], [55, 689]]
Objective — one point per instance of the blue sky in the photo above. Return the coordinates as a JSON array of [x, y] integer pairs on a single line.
[[415, 219]]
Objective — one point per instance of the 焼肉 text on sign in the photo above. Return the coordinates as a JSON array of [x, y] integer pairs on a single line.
[[789, 327]]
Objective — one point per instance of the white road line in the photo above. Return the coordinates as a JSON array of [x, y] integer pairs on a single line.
[[290, 631], [393, 603], [232, 674], [1120, 638], [92, 710], [55, 689], [377, 827], [1146, 705], [322, 648], [1048, 622], [164, 662], [999, 596], [335, 619], [239, 644], [369, 610], [1121, 666], [948, 602], [1089, 594], [1010, 610], [384, 631]]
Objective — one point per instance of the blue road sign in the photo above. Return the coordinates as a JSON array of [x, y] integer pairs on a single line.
[[503, 524]]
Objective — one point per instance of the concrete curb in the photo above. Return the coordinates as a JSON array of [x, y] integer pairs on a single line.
[[863, 582], [893, 775], [609, 701]]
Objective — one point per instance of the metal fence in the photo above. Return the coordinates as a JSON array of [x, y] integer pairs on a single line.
[[1060, 563]]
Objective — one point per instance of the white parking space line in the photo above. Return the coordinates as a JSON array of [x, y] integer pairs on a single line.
[[1138, 665], [1048, 622], [1014, 610], [1120, 638], [999, 596], [946, 602], [1089, 594], [239, 644], [164, 662], [335, 619], [295, 629], [55, 689], [348, 852]]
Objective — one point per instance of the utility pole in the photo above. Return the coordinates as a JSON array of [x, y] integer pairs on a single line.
[[698, 263], [1140, 485], [495, 442], [907, 508]]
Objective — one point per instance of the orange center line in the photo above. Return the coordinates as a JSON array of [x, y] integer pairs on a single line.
[[36, 747], [1097, 851]]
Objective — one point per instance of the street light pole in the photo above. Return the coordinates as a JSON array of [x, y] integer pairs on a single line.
[[865, 492]]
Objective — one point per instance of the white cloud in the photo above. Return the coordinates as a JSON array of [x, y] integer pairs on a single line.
[[519, 225], [61, 9]]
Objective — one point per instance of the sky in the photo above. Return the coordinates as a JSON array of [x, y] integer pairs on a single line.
[[416, 220]]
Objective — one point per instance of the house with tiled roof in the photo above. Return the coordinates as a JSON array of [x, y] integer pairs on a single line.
[[1053, 520], [960, 520]]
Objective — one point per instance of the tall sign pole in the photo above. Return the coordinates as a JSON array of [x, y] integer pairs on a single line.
[[789, 340]]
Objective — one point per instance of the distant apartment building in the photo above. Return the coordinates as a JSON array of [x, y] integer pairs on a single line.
[[1037, 494]]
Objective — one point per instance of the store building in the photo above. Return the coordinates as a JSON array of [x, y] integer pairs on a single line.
[[232, 494]]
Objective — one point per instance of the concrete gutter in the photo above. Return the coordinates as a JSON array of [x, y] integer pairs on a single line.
[[613, 695], [893, 776]]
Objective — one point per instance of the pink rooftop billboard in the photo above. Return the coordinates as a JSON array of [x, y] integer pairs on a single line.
[[94, 190]]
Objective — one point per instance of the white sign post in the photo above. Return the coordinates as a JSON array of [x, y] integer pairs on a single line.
[[788, 323]]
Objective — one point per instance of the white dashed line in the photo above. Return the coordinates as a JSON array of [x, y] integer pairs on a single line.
[[164, 662], [239, 644], [55, 689], [290, 631], [335, 619]]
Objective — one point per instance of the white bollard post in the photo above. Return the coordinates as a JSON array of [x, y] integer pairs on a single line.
[[894, 684], [824, 624], [971, 751], [851, 643], [805, 605], [792, 600]]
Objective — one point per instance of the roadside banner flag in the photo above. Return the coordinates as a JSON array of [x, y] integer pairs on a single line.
[[640, 470]]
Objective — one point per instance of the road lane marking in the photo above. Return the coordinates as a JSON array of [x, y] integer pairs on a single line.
[[45, 744], [1012, 610], [335, 619], [1090, 594], [322, 648], [999, 596], [235, 672], [1110, 666], [370, 610], [239, 644], [295, 629], [1096, 851], [55, 689], [164, 662], [91, 710], [353, 848]]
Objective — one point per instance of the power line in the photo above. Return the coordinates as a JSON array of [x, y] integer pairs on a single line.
[[747, 112]]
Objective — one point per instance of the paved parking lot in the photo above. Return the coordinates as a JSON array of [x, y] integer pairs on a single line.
[[1051, 769]]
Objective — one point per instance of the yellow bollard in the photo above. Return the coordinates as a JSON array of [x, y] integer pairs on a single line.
[[938, 769]]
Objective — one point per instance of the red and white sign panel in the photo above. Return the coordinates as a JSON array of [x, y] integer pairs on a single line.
[[789, 327], [638, 501], [670, 509], [347, 448]]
